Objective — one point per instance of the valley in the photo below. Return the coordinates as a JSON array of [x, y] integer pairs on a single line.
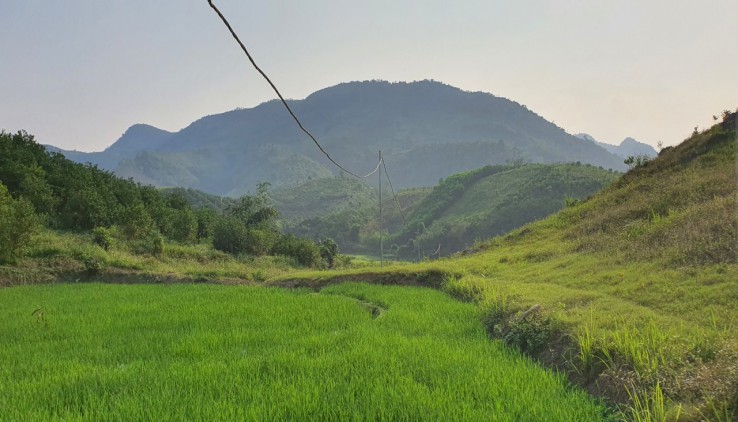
[[612, 292]]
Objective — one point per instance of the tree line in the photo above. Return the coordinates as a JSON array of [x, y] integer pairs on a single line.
[[41, 188]]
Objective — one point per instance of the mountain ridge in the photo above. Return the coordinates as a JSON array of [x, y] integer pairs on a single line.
[[451, 129], [627, 147]]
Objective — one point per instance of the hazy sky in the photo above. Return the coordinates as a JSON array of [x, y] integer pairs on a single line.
[[77, 73]]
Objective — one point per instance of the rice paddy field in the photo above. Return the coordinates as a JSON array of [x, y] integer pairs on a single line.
[[213, 352]]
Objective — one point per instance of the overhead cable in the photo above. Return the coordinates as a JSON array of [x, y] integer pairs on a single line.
[[251, 59], [393, 192]]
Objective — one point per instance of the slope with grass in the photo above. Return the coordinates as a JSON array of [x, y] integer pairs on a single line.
[[493, 200], [460, 210], [633, 292], [93, 351]]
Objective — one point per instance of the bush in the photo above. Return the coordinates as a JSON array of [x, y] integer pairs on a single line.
[[103, 237], [93, 262], [17, 223], [230, 235], [328, 251], [151, 244], [137, 223], [529, 330], [304, 251], [183, 226]]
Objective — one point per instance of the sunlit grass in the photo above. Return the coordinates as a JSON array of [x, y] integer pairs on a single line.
[[236, 352]]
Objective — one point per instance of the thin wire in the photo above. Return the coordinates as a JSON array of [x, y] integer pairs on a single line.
[[437, 250], [251, 59], [393, 192]]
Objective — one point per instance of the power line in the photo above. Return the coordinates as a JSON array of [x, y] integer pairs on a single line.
[[251, 59], [393, 192]]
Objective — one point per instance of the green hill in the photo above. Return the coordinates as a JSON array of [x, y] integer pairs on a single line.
[[460, 210], [476, 205]]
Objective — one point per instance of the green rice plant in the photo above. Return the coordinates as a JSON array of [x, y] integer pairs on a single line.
[[718, 411], [214, 352], [587, 351], [643, 347], [648, 406]]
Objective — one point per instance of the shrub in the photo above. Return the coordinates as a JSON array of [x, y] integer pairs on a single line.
[[102, 237], [183, 226], [137, 223], [93, 262], [230, 235], [17, 223], [328, 251], [151, 244], [529, 330], [635, 161], [304, 251]]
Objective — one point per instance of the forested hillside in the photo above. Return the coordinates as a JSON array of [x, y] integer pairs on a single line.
[[43, 191], [459, 211], [426, 130]]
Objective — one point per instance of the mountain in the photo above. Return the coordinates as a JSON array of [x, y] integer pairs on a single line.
[[426, 130], [629, 147]]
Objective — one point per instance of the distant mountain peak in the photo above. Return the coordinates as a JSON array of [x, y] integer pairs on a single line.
[[139, 137], [628, 147]]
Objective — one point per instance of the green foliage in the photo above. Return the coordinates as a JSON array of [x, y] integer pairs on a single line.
[[230, 235], [205, 221], [92, 261], [136, 221], [425, 357], [255, 210], [183, 226], [200, 200], [328, 251], [491, 201], [103, 237], [150, 243], [17, 224], [83, 197], [635, 161], [307, 253]]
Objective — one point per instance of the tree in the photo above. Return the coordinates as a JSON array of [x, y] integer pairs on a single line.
[[249, 225], [328, 251], [255, 210]]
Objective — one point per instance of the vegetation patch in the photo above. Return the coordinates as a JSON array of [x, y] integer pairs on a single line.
[[234, 352]]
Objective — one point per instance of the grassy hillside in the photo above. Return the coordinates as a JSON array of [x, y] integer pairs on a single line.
[[493, 200], [460, 210], [633, 292]]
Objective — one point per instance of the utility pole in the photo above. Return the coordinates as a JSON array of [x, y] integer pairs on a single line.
[[381, 244]]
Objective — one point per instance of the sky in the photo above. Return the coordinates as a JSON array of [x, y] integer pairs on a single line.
[[77, 73]]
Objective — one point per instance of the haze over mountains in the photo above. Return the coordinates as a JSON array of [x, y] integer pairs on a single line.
[[426, 130], [629, 147]]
